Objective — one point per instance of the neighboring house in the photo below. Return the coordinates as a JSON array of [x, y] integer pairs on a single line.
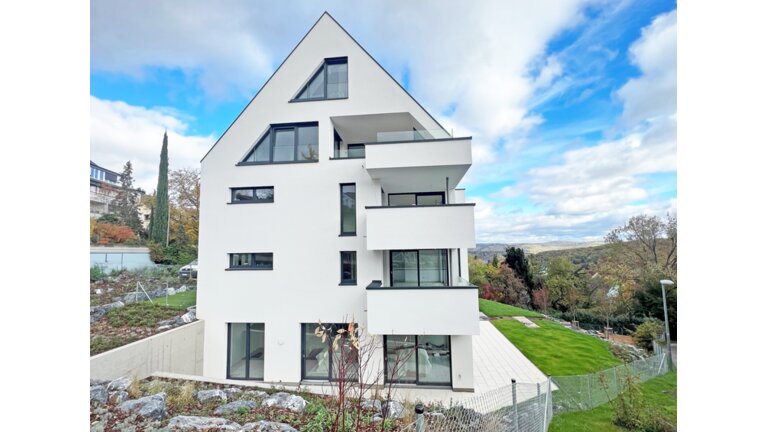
[[105, 184], [333, 196]]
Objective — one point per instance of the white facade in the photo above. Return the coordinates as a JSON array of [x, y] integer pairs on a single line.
[[406, 150]]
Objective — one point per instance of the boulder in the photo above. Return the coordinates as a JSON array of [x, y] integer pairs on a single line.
[[196, 423], [99, 395], [134, 297], [268, 426], [170, 291], [254, 395], [235, 406], [188, 317], [121, 383], [118, 397], [99, 291], [149, 406], [232, 392], [287, 401], [96, 381], [371, 404], [393, 409], [204, 395], [181, 289]]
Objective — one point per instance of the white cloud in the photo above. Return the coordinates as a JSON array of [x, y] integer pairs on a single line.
[[122, 132], [654, 93]]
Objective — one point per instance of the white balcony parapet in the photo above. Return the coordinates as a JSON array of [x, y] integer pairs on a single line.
[[446, 226], [432, 310]]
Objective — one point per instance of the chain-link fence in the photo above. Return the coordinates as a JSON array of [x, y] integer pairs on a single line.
[[529, 407], [584, 392]]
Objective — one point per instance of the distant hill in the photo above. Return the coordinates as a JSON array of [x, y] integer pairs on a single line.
[[486, 251]]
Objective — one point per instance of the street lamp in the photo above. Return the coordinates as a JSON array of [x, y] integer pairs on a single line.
[[666, 318]]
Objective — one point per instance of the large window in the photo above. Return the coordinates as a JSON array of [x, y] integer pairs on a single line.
[[426, 267], [245, 351], [265, 194], [319, 360], [348, 214], [348, 268], [418, 359], [417, 199], [250, 261], [297, 142], [329, 82]]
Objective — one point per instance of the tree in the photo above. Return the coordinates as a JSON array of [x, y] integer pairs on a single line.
[[561, 283], [516, 260], [184, 190], [650, 240], [478, 271], [160, 214], [495, 260], [125, 204]]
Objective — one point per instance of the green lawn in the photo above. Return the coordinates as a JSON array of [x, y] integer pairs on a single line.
[[660, 393], [557, 350], [495, 309], [179, 301]]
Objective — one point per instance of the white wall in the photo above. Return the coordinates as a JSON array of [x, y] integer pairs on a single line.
[[461, 363], [441, 311], [301, 228], [178, 351], [421, 227]]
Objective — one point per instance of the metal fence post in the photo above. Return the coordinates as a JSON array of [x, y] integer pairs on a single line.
[[419, 408], [514, 404], [589, 390]]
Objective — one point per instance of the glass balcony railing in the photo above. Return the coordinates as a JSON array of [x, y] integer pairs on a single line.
[[412, 135]]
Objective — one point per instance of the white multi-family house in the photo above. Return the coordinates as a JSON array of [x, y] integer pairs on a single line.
[[333, 198]]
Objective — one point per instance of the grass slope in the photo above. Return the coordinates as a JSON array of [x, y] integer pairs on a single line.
[[557, 350], [179, 301], [660, 392], [495, 309]]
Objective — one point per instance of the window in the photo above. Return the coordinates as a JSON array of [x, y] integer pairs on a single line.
[[329, 82], [418, 359], [348, 268], [265, 194], [348, 216], [356, 150], [418, 198], [319, 360], [351, 151], [250, 261], [245, 351], [297, 142], [426, 267]]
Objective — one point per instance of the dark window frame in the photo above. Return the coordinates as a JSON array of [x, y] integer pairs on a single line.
[[247, 351], [341, 268], [416, 196], [416, 354], [418, 267], [341, 211], [253, 260], [270, 135], [233, 190], [329, 341], [323, 68]]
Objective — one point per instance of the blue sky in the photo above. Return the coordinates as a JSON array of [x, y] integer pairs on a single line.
[[571, 104]]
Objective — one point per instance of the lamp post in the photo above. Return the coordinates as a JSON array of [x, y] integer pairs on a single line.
[[666, 318]]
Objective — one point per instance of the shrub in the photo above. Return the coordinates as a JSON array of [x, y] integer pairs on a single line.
[[647, 332], [142, 314], [109, 233], [628, 407], [100, 344], [97, 273]]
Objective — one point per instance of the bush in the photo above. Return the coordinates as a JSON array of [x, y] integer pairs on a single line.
[[588, 319], [647, 332], [108, 233], [97, 273], [631, 412], [142, 314], [172, 254]]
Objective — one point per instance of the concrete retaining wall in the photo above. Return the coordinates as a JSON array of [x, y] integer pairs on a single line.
[[178, 351]]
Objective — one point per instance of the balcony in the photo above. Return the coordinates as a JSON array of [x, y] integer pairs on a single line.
[[447, 226], [451, 310], [412, 161]]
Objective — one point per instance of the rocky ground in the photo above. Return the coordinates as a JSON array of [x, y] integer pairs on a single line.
[[117, 285], [128, 405]]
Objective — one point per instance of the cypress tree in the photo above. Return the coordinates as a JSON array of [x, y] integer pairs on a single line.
[[125, 204], [159, 232]]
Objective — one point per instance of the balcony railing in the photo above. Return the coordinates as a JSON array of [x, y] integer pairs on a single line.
[[435, 310], [446, 226]]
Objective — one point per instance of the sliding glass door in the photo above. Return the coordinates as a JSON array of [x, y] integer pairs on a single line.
[[425, 267], [424, 360], [320, 361], [245, 351]]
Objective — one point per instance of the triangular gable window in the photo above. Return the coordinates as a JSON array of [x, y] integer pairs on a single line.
[[329, 82]]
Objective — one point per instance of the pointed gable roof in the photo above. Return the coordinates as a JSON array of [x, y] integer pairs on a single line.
[[324, 16]]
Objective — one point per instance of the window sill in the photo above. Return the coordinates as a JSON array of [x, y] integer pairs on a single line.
[[276, 163], [348, 235], [252, 202], [317, 99], [346, 158], [247, 269], [348, 283]]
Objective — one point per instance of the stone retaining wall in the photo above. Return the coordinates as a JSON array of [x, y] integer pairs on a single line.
[[177, 351]]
